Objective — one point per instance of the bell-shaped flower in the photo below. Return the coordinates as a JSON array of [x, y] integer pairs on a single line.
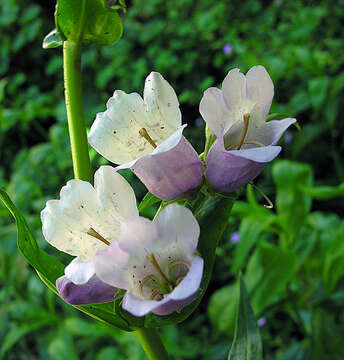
[[145, 135], [87, 219], [237, 116], [154, 262]]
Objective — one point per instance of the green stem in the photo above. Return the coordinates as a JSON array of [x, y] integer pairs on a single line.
[[151, 343], [75, 110]]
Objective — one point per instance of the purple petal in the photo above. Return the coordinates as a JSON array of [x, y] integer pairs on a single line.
[[229, 170], [92, 292], [182, 295], [170, 174]]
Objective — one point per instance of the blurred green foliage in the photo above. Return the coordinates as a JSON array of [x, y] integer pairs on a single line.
[[292, 257]]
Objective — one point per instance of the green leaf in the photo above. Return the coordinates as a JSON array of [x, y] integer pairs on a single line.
[[212, 215], [250, 229], [247, 344], [88, 21], [334, 261], [52, 40], [323, 192], [292, 204], [268, 272], [49, 269], [148, 200]]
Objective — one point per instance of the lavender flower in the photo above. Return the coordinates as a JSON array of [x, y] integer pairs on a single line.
[[235, 237], [288, 138], [146, 136], [261, 322], [227, 48], [154, 262], [236, 115]]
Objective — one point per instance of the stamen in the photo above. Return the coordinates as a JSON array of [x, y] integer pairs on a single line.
[[179, 277], [270, 204], [147, 278], [175, 263], [244, 132], [94, 233], [156, 293], [153, 261], [143, 132]]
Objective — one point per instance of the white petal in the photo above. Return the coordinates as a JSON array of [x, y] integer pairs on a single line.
[[260, 91], [66, 221], [178, 228], [214, 111], [115, 134], [79, 272], [162, 101], [115, 194], [234, 88]]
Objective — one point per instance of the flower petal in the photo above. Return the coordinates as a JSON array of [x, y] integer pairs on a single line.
[[178, 227], [162, 102], [110, 264], [260, 90], [214, 111], [229, 170], [270, 132], [66, 221], [115, 134], [170, 172], [234, 88], [182, 295], [115, 193], [79, 272], [92, 292]]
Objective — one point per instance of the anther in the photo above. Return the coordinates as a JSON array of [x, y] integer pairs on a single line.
[[153, 261], [143, 132], [94, 233], [144, 281]]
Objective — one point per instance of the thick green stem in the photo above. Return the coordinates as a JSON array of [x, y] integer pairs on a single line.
[[151, 343], [75, 110]]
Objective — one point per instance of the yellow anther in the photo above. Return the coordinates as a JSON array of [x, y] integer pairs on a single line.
[[143, 132], [96, 235]]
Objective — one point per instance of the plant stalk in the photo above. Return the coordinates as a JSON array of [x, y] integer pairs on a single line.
[[151, 343], [75, 110]]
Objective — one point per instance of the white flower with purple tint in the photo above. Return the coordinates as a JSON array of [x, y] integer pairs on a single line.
[[145, 135], [154, 262], [87, 219], [237, 116]]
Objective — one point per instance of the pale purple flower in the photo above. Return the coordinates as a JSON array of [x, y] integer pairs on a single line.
[[145, 135], [261, 322], [199, 121], [86, 219], [154, 262], [288, 138], [235, 237], [227, 48], [236, 115]]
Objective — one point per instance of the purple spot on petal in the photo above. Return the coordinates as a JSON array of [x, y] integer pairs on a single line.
[[235, 237], [227, 48], [261, 322]]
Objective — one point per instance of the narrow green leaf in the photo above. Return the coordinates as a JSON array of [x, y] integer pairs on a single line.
[[148, 200], [324, 192], [247, 344], [49, 269], [52, 40]]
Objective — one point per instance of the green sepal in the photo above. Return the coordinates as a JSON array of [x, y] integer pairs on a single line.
[[247, 344], [49, 269], [88, 21], [52, 40]]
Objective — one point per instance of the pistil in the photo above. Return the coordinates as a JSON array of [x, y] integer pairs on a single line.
[[143, 132], [244, 132], [157, 267], [95, 234]]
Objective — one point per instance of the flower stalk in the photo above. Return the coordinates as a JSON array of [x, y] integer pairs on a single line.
[[75, 110], [151, 343]]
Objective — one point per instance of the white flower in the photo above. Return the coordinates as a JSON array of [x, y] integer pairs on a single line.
[[87, 219]]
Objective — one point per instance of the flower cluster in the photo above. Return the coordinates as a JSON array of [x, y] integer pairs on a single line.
[[155, 261]]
